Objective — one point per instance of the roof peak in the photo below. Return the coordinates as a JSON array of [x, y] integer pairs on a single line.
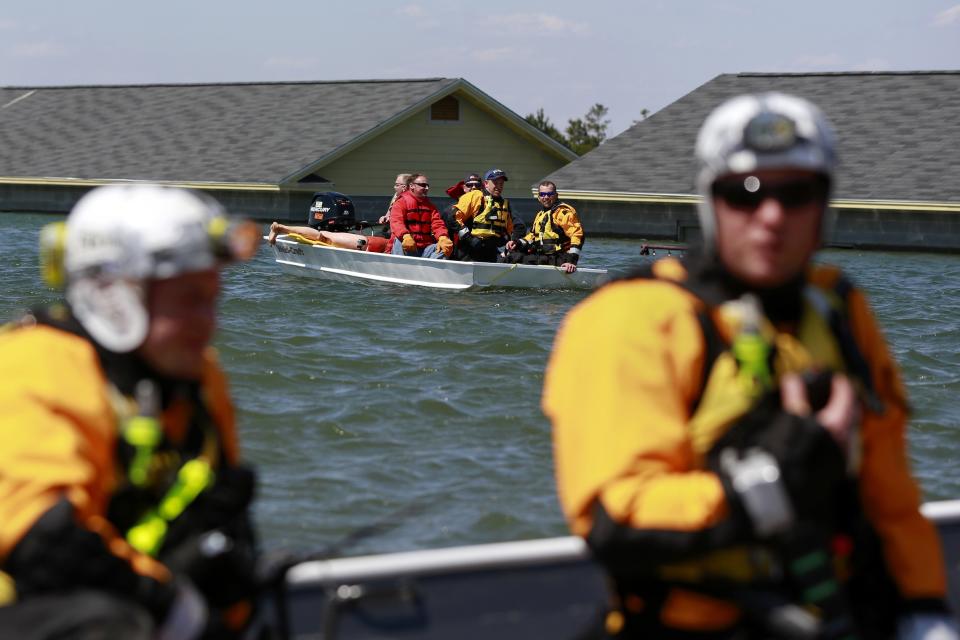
[[229, 84], [768, 74]]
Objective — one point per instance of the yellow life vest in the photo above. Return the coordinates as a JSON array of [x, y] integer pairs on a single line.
[[548, 239], [734, 385], [492, 220], [728, 394]]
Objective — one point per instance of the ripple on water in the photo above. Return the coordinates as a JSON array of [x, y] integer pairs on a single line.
[[418, 411]]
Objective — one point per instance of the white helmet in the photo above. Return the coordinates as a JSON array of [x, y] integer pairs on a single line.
[[118, 237], [756, 132]]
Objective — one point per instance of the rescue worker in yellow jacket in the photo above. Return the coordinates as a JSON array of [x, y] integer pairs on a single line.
[[729, 429], [556, 237], [124, 507], [484, 219]]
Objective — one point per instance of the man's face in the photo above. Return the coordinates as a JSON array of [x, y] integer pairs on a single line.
[[420, 186], [470, 184], [768, 223], [183, 317], [547, 195], [494, 187]]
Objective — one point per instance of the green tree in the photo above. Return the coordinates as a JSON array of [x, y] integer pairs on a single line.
[[542, 122], [587, 133], [582, 134]]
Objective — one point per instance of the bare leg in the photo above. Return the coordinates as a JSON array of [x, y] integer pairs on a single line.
[[277, 228], [336, 239], [346, 240]]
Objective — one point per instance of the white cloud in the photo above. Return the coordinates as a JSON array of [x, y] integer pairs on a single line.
[[540, 23], [948, 16], [40, 49], [411, 11]]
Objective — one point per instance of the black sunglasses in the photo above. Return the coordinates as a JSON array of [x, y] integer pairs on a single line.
[[425, 185], [547, 194], [748, 193], [471, 184]]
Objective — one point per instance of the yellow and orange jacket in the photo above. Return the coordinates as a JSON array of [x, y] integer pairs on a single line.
[[557, 229], [623, 377], [485, 216], [59, 430]]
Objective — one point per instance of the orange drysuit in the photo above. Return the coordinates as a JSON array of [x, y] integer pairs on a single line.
[[60, 429], [625, 391]]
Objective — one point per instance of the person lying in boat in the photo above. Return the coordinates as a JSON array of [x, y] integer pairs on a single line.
[[729, 429], [416, 228], [556, 237], [484, 219], [340, 239]]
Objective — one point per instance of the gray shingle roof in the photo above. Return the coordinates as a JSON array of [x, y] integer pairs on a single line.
[[899, 136], [254, 132]]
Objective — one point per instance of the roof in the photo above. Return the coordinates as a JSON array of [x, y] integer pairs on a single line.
[[899, 137], [238, 133]]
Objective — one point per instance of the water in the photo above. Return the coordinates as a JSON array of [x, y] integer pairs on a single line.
[[417, 411]]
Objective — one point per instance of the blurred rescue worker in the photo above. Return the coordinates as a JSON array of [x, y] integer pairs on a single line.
[[339, 239], [484, 219], [124, 507], [556, 237], [729, 429], [415, 224]]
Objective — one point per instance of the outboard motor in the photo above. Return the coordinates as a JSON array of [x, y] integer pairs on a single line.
[[331, 211]]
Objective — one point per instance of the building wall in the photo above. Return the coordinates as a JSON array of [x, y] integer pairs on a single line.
[[446, 152], [859, 228], [862, 228]]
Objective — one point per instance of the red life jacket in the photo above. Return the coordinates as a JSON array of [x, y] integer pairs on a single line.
[[419, 218]]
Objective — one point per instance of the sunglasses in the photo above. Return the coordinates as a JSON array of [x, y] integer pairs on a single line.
[[547, 194], [748, 193], [471, 184], [425, 185]]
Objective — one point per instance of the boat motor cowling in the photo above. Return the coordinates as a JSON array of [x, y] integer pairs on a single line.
[[331, 211]]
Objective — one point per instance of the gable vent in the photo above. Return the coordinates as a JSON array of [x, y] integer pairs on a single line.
[[447, 109]]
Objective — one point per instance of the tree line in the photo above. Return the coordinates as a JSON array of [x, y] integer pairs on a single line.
[[581, 134]]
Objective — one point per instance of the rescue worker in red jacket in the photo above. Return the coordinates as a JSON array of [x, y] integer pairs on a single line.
[[484, 219], [556, 237], [729, 429], [124, 507], [415, 224]]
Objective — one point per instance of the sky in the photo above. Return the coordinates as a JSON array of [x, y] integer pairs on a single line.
[[563, 56]]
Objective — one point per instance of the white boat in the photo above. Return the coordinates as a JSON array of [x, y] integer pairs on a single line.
[[509, 591], [349, 264]]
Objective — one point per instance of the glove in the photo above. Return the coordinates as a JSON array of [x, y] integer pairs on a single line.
[[445, 244], [408, 243], [927, 626], [187, 616]]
